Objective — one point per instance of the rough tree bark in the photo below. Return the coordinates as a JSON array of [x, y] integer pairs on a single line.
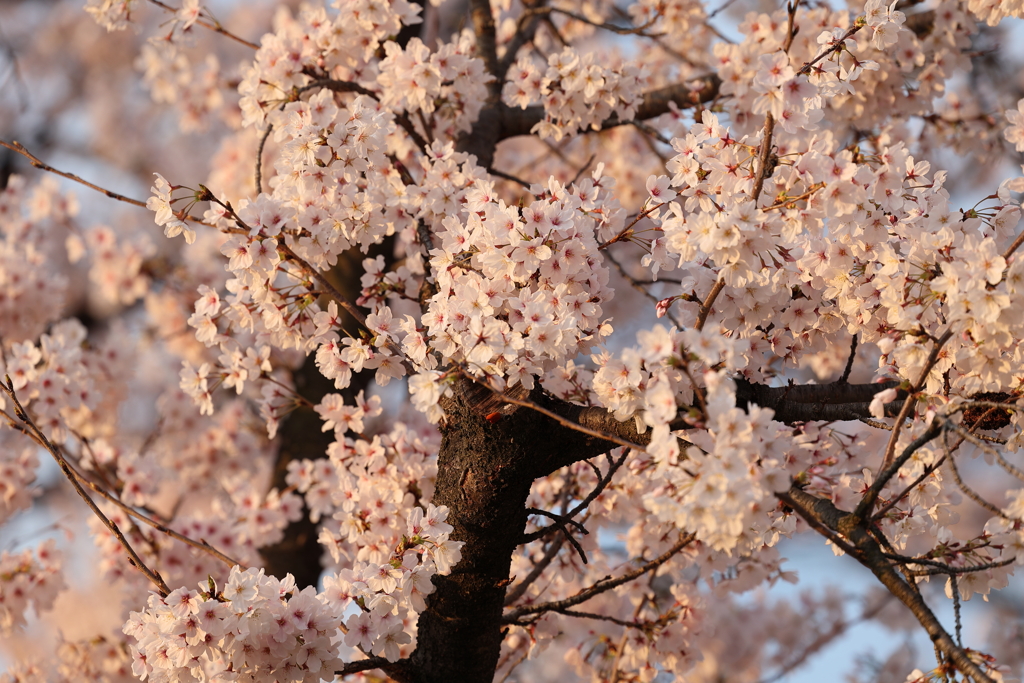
[[485, 471]]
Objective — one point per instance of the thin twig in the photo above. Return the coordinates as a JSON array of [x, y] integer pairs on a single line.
[[896, 499], [601, 586], [806, 68], [933, 358], [215, 26], [199, 545], [560, 522], [705, 308], [40, 438], [549, 555], [259, 158], [849, 361], [572, 425], [367, 664], [509, 177], [867, 503], [967, 490], [16, 146]]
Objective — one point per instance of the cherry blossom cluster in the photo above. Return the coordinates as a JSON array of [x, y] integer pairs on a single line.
[[892, 242], [384, 543], [117, 266], [29, 270], [257, 627], [17, 473], [28, 579], [449, 80], [577, 93], [519, 291], [240, 521], [194, 89], [683, 20], [805, 238], [341, 45], [56, 378], [100, 659], [389, 593], [113, 15], [994, 11]]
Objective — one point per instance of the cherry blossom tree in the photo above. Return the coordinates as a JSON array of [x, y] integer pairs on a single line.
[[514, 340]]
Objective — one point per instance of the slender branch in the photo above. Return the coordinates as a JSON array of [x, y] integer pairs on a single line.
[[604, 26], [705, 308], [560, 522], [565, 422], [897, 498], [1014, 247], [550, 554], [601, 485], [367, 664], [867, 503], [967, 490], [963, 570], [38, 435], [601, 586], [16, 146], [988, 450], [933, 358], [806, 68], [849, 361], [259, 158], [627, 232], [199, 545], [215, 26], [601, 617], [509, 177]]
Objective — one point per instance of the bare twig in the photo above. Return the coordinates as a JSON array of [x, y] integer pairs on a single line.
[[16, 146], [601, 586], [705, 308], [214, 26], [367, 664], [259, 158], [570, 424], [849, 361], [162, 528], [561, 521], [806, 68], [867, 503], [41, 439]]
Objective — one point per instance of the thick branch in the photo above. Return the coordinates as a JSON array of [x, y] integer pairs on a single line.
[[819, 511]]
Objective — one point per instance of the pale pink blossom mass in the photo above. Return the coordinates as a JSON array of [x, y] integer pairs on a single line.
[[505, 315]]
